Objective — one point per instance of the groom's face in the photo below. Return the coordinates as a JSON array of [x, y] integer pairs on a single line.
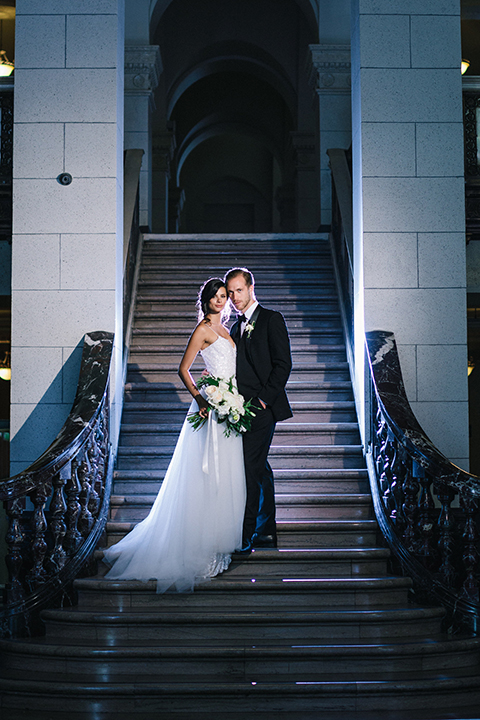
[[241, 295]]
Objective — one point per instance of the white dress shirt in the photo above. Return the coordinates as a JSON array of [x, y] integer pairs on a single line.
[[248, 314]]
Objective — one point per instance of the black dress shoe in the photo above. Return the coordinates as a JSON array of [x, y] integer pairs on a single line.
[[264, 541]]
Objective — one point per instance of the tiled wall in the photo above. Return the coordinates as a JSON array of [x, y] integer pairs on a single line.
[[409, 201], [67, 240]]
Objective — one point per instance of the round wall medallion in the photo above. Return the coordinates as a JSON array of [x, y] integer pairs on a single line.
[[327, 80]]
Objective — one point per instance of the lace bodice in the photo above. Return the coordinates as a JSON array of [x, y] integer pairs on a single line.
[[220, 358]]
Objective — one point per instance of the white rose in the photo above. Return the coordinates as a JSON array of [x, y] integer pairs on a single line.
[[215, 396]]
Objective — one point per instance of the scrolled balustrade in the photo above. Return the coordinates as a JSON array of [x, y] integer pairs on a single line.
[[57, 508], [437, 543]]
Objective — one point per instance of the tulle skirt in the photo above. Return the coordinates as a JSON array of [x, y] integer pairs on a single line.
[[196, 521]]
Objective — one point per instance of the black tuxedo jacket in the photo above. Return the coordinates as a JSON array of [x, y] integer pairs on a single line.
[[264, 361]]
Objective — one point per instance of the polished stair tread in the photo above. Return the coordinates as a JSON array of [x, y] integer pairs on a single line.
[[280, 499]]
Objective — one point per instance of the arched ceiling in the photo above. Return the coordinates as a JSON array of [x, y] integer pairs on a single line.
[[309, 9]]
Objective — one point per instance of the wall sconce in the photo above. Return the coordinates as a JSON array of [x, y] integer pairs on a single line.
[[471, 365], [5, 368], [465, 65], [6, 67]]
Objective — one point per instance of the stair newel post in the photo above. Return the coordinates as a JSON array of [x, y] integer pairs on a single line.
[[58, 509], [426, 507], [446, 539], [15, 538], [38, 574], [85, 519], [72, 489], [410, 488], [470, 554]]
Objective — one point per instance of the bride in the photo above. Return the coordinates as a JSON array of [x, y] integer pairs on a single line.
[[196, 520]]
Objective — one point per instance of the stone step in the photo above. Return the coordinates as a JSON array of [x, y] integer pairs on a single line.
[[135, 507], [172, 354], [234, 659], [213, 243], [292, 433], [146, 338], [147, 413], [319, 323], [276, 252], [296, 533], [281, 456], [235, 626], [151, 283], [290, 263], [186, 300], [303, 698], [167, 372], [286, 480], [323, 288], [298, 390], [254, 594], [311, 314]]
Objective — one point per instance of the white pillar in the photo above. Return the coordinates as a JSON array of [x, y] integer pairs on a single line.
[[409, 223], [142, 70], [67, 239], [330, 77]]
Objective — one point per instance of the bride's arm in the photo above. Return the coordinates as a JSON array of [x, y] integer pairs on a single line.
[[197, 341]]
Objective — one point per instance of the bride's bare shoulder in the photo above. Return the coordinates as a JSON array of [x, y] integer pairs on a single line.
[[203, 331]]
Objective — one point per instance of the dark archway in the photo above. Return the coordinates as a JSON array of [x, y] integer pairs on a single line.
[[233, 94]]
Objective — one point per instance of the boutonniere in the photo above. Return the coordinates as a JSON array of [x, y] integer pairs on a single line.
[[249, 328]]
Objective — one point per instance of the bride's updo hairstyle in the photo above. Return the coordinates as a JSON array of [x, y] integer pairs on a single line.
[[208, 291]]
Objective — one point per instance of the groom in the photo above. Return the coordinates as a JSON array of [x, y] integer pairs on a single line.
[[263, 365]]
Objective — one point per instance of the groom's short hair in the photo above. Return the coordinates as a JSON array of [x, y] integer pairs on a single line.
[[235, 272]]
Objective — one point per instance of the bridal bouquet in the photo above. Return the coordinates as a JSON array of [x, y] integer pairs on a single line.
[[231, 408]]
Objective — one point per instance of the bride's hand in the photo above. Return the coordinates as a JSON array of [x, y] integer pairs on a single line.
[[202, 405]]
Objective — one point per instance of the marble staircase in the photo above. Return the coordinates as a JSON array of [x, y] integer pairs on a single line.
[[319, 627]]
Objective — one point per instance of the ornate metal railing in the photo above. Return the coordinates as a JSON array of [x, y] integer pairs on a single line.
[[426, 507], [57, 508], [436, 542]]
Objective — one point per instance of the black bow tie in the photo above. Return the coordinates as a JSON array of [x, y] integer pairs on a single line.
[[243, 318]]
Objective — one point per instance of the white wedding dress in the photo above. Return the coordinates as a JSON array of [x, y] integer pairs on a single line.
[[196, 521]]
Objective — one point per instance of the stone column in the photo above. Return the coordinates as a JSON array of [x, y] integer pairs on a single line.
[[409, 220], [67, 262], [307, 210], [162, 155], [143, 67], [330, 78]]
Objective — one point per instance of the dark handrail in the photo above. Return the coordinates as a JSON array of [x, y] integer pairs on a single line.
[[132, 243], [436, 544], [57, 508]]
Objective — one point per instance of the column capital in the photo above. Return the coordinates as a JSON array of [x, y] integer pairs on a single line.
[[329, 68], [143, 67]]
